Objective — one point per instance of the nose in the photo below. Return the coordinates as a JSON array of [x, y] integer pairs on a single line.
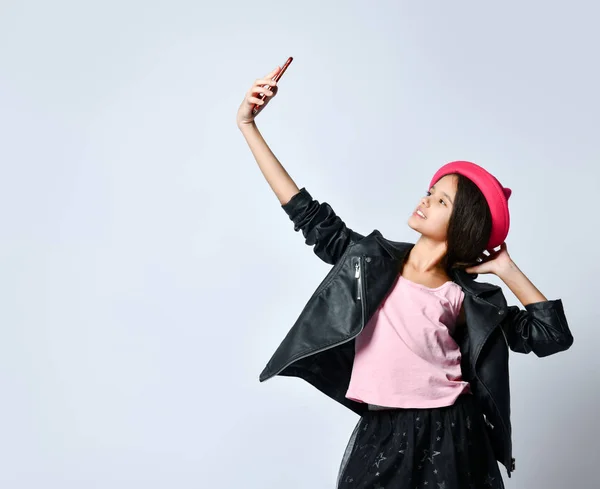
[[425, 201]]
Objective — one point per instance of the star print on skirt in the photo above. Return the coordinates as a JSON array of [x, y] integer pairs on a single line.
[[439, 448]]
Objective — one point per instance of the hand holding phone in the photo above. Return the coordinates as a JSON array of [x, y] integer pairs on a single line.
[[276, 78], [259, 95]]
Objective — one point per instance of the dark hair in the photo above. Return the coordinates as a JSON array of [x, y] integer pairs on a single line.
[[469, 227]]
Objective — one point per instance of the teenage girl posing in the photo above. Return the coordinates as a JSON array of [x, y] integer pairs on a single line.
[[404, 336]]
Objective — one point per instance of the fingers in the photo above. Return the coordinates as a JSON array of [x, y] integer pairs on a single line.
[[262, 89], [263, 82], [265, 90], [256, 100], [273, 73], [483, 257]]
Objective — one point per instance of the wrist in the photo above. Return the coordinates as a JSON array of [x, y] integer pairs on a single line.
[[507, 270], [244, 126]]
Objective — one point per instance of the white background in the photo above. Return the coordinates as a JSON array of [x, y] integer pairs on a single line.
[[147, 272]]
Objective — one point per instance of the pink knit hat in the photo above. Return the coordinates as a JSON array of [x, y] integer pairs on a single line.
[[495, 194]]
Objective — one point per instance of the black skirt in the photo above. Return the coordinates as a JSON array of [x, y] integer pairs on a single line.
[[437, 448]]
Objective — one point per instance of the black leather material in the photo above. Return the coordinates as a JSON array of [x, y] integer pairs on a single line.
[[319, 347]]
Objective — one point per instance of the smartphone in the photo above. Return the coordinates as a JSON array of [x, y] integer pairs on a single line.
[[275, 78]]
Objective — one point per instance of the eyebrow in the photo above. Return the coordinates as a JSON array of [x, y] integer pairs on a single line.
[[447, 196]]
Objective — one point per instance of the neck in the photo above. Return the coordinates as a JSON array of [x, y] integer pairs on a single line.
[[426, 256]]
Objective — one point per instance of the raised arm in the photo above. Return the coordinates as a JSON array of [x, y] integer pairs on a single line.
[[277, 177], [318, 222], [540, 326]]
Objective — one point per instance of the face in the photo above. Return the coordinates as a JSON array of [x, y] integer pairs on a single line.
[[432, 215]]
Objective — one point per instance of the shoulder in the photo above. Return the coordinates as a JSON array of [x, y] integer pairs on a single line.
[[376, 243]]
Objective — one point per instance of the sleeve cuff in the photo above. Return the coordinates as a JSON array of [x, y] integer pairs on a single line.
[[544, 305], [297, 203]]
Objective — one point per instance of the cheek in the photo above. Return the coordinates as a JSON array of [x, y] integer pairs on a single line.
[[440, 222]]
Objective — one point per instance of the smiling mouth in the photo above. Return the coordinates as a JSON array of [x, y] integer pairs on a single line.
[[420, 214]]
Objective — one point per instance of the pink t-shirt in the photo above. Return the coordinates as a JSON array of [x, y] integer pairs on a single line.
[[406, 356]]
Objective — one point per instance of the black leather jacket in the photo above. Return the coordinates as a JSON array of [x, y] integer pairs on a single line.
[[319, 347]]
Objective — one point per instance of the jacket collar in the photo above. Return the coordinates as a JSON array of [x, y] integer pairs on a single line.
[[468, 283], [398, 251]]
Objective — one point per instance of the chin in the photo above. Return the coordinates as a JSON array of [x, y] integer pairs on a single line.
[[413, 223]]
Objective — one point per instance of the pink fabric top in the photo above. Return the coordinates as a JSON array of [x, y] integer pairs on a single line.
[[406, 356]]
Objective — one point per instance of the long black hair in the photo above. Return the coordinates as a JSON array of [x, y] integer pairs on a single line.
[[469, 227]]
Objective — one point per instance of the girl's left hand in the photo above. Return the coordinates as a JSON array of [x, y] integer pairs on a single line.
[[495, 263]]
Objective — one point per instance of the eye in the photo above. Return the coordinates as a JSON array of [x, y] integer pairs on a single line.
[[427, 193], [442, 202]]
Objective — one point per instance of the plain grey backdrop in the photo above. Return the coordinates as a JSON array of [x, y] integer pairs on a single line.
[[148, 272]]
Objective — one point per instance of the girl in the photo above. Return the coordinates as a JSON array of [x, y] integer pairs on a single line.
[[404, 336]]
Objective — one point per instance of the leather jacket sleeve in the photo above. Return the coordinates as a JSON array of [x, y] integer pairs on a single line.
[[320, 226], [540, 328]]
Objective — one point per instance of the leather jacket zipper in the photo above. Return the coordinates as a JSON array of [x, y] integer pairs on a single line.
[[358, 278], [359, 296]]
